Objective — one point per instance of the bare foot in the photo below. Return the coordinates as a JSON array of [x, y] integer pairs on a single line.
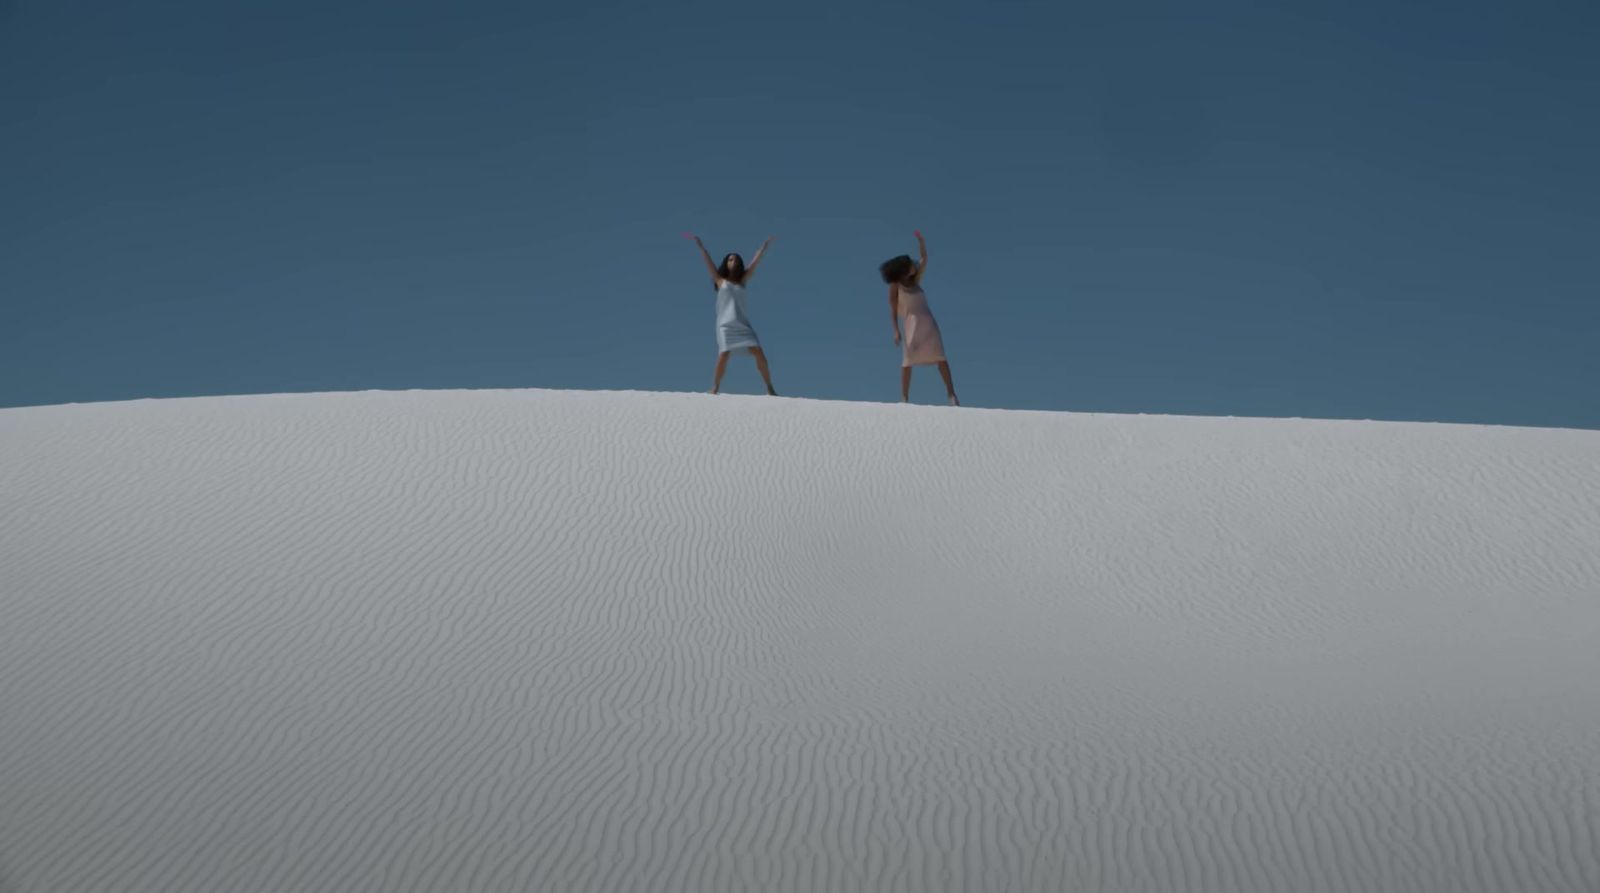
[[954, 401]]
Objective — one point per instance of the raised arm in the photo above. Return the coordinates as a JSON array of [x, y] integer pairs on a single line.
[[922, 248], [710, 267], [756, 261], [894, 309]]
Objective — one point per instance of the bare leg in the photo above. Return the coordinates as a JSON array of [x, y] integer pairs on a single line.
[[722, 366], [905, 384], [761, 366], [944, 370]]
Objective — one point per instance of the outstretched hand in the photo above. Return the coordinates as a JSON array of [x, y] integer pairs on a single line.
[[761, 252]]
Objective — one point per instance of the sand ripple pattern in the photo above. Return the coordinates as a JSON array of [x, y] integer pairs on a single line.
[[559, 641]]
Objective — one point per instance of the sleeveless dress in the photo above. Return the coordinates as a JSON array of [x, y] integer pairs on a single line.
[[734, 331], [921, 344]]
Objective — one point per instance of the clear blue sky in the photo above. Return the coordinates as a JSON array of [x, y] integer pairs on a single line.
[[1359, 209]]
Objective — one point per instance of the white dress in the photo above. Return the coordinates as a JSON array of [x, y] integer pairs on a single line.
[[734, 331], [921, 343]]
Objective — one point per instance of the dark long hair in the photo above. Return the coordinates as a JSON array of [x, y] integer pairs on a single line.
[[732, 269], [898, 269]]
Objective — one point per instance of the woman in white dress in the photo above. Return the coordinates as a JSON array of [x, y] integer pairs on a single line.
[[908, 307], [734, 331]]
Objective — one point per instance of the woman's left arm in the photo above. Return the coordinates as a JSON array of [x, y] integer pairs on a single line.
[[756, 261]]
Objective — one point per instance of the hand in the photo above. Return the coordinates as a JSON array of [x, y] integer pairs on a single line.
[[896, 339], [692, 237], [917, 233]]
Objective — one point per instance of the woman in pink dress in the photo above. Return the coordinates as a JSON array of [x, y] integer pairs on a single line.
[[908, 308]]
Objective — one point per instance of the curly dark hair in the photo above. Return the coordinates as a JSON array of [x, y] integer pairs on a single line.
[[732, 269], [898, 269]]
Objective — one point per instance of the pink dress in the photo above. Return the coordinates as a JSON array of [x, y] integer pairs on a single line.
[[922, 344]]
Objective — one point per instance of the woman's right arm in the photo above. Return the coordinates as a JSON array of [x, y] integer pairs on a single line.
[[894, 309], [710, 267]]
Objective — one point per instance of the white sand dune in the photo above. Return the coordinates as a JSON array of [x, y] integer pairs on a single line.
[[548, 641]]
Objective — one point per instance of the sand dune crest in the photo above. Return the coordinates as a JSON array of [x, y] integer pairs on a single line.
[[537, 640]]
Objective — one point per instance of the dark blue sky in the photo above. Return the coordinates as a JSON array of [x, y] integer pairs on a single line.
[[1360, 209]]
